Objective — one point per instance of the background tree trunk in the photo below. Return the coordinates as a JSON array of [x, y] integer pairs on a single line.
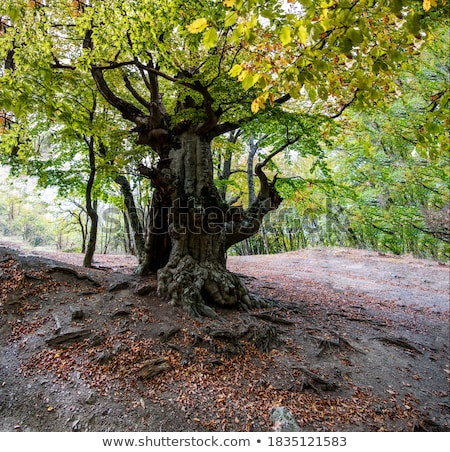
[[134, 222], [91, 208], [92, 242], [253, 148], [128, 243]]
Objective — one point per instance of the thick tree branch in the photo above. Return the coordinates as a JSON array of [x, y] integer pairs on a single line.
[[128, 110], [148, 173], [58, 65], [212, 115], [283, 99], [157, 72], [135, 94], [115, 65], [226, 127], [250, 221], [9, 61]]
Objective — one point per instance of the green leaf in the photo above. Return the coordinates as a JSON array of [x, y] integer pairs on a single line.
[[237, 33], [355, 36], [323, 93], [235, 70], [230, 19], [14, 13], [294, 91], [268, 14], [302, 35], [285, 35], [345, 45], [210, 38], [413, 23], [312, 93], [362, 80], [250, 81]]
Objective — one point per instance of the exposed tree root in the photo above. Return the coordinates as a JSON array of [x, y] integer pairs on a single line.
[[229, 339], [199, 286], [71, 271], [165, 336], [340, 343], [314, 381], [399, 342], [265, 337], [427, 425], [270, 318]]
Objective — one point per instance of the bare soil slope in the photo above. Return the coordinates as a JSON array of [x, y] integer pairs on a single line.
[[355, 341]]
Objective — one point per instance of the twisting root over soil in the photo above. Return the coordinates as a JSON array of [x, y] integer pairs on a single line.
[[196, 286]]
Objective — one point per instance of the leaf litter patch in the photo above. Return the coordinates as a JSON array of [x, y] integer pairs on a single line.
[[307, 354]]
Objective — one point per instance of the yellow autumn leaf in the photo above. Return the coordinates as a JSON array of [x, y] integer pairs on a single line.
[[229, 3], [259, 103], [198, 25], [255, 106], [427, 4], [242, 75]]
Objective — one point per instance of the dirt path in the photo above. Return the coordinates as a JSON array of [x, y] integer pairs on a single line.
[[355, 341], [405, 280]]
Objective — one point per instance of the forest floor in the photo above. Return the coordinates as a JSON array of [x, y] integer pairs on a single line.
[[355, 341]]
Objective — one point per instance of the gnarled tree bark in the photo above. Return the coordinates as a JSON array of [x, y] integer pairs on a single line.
[[195, 275], [192, 225]]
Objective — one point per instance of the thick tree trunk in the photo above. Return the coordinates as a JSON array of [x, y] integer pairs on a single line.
[[158, 243], [195, 275]]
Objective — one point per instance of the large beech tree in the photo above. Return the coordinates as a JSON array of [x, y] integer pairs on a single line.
[[184, 72]]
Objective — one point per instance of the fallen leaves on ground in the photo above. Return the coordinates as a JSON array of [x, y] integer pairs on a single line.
[[214, 383]]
